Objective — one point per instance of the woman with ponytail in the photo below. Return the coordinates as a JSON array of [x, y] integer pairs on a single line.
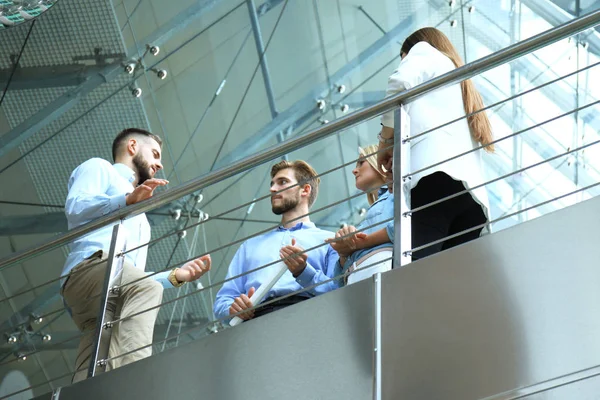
[[427, 54]]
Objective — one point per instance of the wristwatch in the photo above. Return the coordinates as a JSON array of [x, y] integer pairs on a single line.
[[385, 140], [173, 279]]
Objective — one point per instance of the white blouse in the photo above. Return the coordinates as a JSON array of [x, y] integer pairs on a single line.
[[422, 63]]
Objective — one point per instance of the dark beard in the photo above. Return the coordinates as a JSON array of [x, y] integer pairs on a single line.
[[142, 169], [287, 205]]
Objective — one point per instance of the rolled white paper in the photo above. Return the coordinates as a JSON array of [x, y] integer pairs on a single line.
[[280, 268]]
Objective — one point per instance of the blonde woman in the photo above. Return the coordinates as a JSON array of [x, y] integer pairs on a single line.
[[427, 54], [370, 249]]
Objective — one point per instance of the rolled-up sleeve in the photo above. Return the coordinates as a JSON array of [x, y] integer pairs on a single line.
[[315, 276], [389, 227], [232, 288]]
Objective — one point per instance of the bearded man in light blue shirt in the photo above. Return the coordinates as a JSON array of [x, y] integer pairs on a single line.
[[97, 188], [294, 189]]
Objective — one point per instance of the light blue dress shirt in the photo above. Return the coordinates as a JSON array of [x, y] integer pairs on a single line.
[[97, 188], [264, 249], [379, 211]]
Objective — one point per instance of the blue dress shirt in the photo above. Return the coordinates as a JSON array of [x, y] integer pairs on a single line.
[[379, 211], [97, 188], [264, 249]]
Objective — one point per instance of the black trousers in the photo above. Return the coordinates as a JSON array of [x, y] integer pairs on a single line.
[[277, 305], [444, 219]]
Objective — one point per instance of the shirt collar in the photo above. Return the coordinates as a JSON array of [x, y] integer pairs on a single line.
[[125, 172], [383, 194], [298, 226]]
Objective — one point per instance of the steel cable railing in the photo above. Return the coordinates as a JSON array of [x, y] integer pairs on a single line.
[[206, 288], [409, 252], [171, 266], [23, 325], [254, 307], [188, 331], [256, 200], [245, 273], [583, 189], [407, 176], [467, 71], [437, 164], [504, 101], [112, 323], [317, 134], [150, 275], [414, 210]]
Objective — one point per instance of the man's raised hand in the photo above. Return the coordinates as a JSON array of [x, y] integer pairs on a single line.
[[192, 270], [144, 191]]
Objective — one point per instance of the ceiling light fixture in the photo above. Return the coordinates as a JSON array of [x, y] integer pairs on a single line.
[[154, 50], [160, 73], [136, 91]]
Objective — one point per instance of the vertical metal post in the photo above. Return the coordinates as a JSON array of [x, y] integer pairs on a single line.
[[377, 337], [103, 327], [56, 394], [402, 226], [515, 87], [579, 128], [260, 48]]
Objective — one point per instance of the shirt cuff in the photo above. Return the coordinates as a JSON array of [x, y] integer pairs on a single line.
[[387, 119], [223, 314], [390, 231], [163, 279], [306, 277], [117, 202]]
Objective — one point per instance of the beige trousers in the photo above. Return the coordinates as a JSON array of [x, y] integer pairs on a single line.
[[81, 293]]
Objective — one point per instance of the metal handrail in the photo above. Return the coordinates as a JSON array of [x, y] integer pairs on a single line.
[[465, 72]]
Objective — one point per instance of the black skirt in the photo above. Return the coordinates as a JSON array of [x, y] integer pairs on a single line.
[[444, 219]]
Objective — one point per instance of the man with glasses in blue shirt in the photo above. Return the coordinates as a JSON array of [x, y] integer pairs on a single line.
[[294, 189]]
